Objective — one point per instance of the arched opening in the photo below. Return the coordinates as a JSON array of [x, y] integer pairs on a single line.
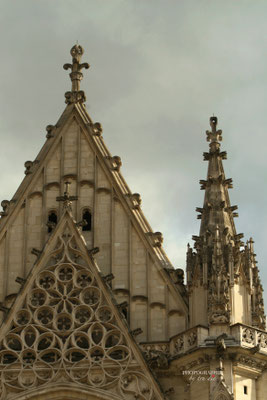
[[67, 391], [124, 311], [52, 221], [87, 218]]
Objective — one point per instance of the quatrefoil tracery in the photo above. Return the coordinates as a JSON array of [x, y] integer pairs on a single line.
[[65, 324]]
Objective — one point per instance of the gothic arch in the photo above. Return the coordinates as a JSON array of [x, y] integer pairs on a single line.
[[66, 392]]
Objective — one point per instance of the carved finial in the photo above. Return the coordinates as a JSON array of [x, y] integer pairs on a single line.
[[76, 95], [214, 135], [66, 198]]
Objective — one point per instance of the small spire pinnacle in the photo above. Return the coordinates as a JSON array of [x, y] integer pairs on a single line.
[[217, 213], [76, 95]]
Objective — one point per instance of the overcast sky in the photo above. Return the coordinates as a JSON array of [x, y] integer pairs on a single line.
[[159, 70]]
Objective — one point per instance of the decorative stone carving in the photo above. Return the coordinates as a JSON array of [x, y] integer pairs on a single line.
[[49, 130], [156, 238], [252, 363], [76, 95], [117, 161], [5, 205], [157, 358], [192, 338], [97, 129], [179, 344], [136, 199], [262, 340], [248, 335], [66, 328], [28, 165]]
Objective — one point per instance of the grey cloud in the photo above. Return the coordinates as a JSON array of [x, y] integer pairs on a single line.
[[158, 71]]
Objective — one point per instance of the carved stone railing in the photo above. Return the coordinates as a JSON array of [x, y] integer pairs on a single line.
[[188, 340], [160, 346], [250, 337]]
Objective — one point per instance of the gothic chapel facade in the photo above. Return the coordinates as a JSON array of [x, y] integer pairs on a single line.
[[91, 307]]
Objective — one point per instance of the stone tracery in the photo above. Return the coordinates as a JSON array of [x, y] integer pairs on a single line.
[[67, 331]]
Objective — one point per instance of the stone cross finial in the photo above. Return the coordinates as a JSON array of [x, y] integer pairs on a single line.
[[214, 135], [66, 198], [76, 95]]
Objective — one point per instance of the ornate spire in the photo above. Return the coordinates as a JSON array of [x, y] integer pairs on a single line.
[[218, 265], [76, 95], [217, 212]]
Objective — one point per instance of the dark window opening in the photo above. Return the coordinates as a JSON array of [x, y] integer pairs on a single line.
[[125, 313], [87, 217], [52, 221], [245, 390]]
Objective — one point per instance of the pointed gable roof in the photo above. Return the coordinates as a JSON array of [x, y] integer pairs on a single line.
[[65, 327], [76, 110], [75, 149]]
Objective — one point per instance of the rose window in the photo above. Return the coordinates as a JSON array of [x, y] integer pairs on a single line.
[[84, 279], [45, 315], [37, 298], [82, 314], [91, 296], [28, 357], [65, 273], [66, 324], [13, 342], [23, 317], [30, 337], [47, 280], [104, 314]]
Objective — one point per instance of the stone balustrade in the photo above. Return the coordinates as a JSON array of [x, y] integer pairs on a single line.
[[250, 337], [188, 340]]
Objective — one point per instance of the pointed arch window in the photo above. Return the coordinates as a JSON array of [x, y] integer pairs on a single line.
[[87, 217], [52, 220]]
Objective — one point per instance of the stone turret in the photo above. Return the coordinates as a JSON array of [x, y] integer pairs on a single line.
[[223, 281]]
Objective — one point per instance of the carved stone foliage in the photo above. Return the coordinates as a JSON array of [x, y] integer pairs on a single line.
[[75, 97], [250, 362], [66, 331], [218, 299], [258, 316], [248, 335], [262, 340], [179, 344], [157, 355], [192, 338]]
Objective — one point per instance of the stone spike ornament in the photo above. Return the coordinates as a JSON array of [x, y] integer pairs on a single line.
[[218, 268], [76, 95]]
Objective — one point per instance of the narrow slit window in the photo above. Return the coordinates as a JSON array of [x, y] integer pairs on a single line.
[[125, 313], [245, 390], [87, 218], [52, 221]]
